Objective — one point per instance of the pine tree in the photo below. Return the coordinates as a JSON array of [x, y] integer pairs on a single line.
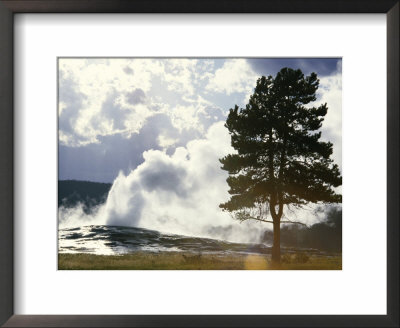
[[279, 160]]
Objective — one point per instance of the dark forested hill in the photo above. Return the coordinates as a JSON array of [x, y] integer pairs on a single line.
[[325, 235], [72, 192]]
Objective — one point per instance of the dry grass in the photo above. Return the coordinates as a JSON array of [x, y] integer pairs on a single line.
[[188, 261]]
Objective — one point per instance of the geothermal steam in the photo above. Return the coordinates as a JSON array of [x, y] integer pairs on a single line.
[[178, 193]]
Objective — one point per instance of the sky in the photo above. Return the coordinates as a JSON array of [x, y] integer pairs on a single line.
[[154, 127]]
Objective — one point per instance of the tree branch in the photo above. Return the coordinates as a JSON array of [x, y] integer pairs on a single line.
[[294, 222], [269, 221], [256, 219]]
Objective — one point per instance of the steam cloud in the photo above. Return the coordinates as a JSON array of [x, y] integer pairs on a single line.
[[178, 193]]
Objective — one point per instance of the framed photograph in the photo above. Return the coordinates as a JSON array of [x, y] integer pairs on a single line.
[[146, 183], [214, 164]]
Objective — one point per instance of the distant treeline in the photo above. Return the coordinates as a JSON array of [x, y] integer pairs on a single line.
[[89, 194], [326, 235]]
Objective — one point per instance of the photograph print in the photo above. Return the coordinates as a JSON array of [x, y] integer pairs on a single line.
[[199, 163]]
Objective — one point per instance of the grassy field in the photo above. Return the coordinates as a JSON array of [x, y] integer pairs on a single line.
[[188, 261]]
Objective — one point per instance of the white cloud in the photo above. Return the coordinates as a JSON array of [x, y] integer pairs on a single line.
[[165, 141], [179, 75], [330, 92], [236, 75], [103, 88], [100, 97]]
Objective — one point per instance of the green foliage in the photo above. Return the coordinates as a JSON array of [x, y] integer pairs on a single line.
[[280, 159]]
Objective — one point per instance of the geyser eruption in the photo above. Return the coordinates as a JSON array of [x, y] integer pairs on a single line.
[[178, 193]]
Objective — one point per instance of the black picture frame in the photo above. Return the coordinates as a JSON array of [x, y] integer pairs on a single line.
[[10, 7]]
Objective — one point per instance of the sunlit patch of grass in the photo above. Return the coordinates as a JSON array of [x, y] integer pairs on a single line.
[[189, 261], [255, 262]]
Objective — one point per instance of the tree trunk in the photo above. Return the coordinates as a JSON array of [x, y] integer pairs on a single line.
[[276, 248]]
